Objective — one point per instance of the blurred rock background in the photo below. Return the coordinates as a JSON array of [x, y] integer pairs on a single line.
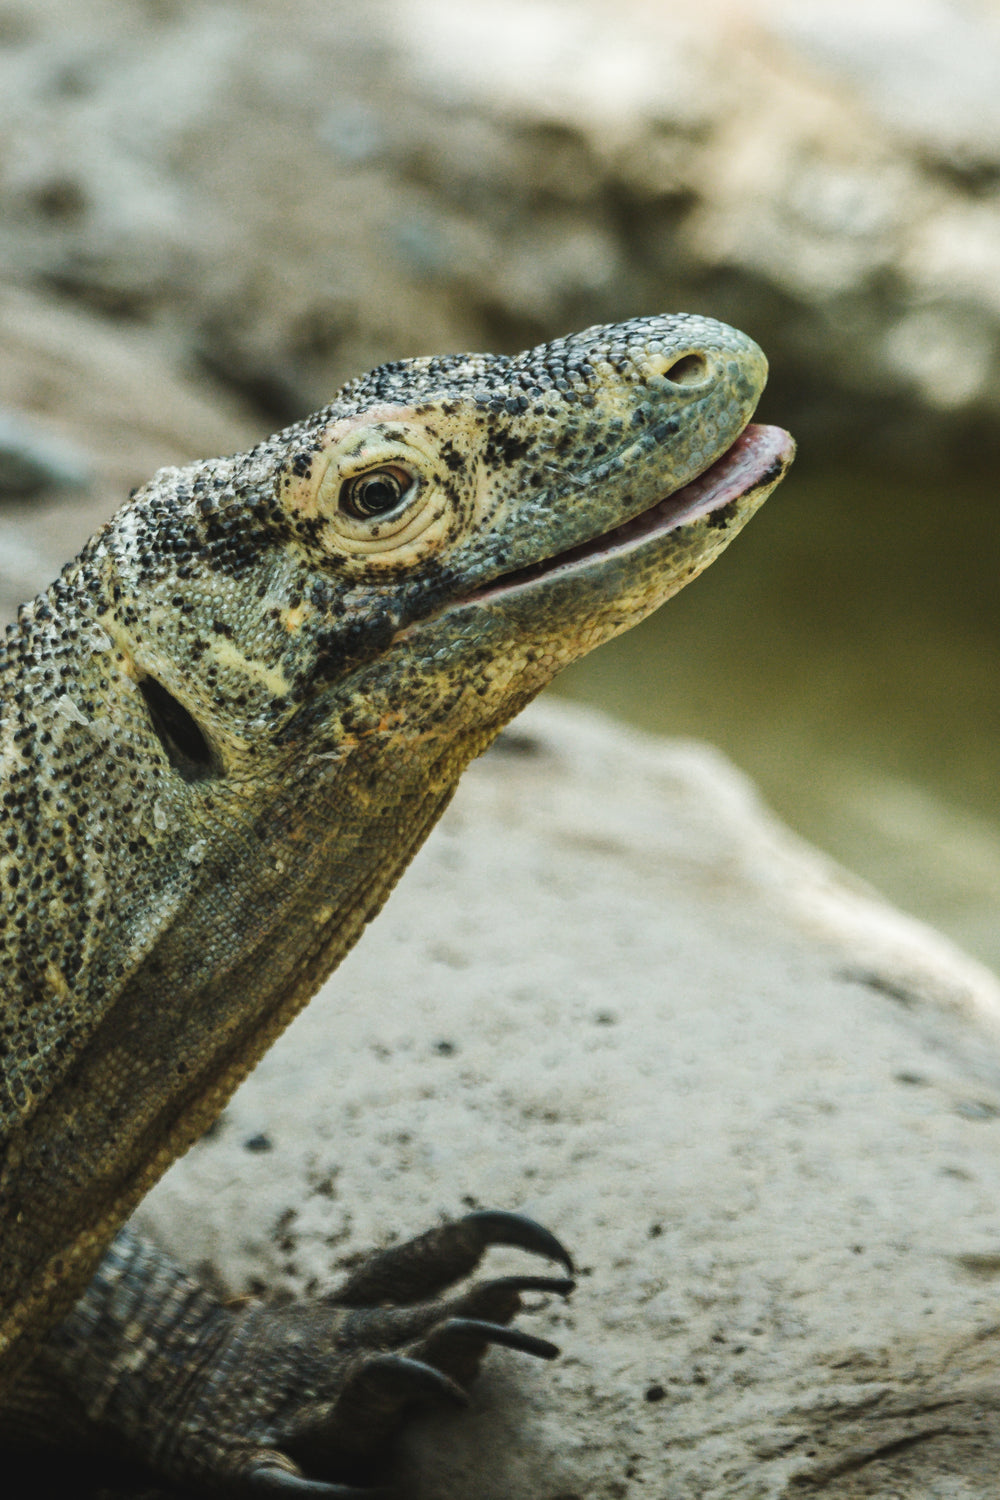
[[213, 213]]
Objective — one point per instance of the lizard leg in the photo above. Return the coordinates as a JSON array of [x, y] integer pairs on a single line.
[[237, 1399]]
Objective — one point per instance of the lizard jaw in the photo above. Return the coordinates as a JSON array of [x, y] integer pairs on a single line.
[[757, 460]]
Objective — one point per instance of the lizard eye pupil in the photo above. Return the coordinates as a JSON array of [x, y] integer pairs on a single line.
[[373, 494]]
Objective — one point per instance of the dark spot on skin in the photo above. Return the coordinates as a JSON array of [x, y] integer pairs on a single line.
[[342, 649], [504, 449], [454, 460], [772, 473], [719, 519]]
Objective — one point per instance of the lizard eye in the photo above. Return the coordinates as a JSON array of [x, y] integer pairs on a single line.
[[376, 493]]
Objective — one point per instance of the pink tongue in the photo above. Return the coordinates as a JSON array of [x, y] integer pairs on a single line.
[[752, 460]]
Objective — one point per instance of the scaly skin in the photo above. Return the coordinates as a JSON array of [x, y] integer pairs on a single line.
[[226, 728]]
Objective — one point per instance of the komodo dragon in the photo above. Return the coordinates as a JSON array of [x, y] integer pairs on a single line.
[[225, 729]]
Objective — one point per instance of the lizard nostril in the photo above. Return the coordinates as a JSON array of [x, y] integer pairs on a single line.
[[690, 369]]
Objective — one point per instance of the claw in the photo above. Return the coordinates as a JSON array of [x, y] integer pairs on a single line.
[[269, 1479], [497, 1333], [559, 1286], [422, 1267], [498, 1227], [501, 1299], [411, 1379]]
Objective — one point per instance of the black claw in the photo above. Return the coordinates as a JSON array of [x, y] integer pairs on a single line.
[[559, 1286], [500, 1228], [498, 1333], [411, 1379], [269, 1479]]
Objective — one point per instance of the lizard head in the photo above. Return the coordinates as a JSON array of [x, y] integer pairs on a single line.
[[488, 519], [425, 554]]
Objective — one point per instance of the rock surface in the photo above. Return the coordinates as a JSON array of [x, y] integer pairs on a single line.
[[760, 1105]]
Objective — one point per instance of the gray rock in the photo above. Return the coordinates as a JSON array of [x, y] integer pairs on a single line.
[[32, 461], [929, 68], [759, 1104]]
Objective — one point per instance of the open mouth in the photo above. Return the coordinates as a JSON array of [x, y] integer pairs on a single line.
[[756, 460]]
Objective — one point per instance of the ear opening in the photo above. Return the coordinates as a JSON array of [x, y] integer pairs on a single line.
[[184, 743]]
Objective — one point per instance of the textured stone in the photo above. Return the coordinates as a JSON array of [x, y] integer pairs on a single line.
[[32, 462]]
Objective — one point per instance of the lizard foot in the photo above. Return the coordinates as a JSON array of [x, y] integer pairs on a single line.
[[299, 1399]]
